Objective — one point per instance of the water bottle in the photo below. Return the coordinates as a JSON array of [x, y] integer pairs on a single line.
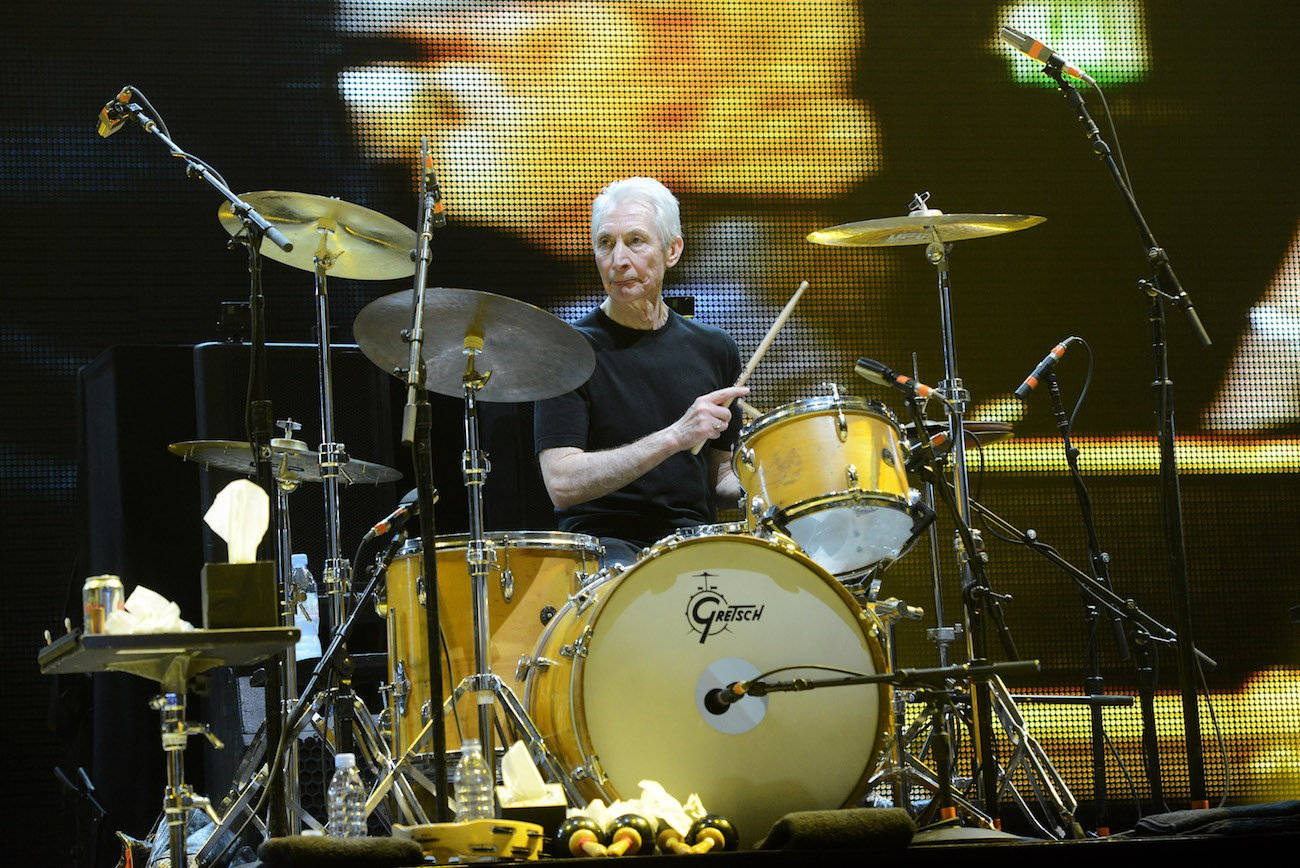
[[306, 611], [346, 800], [473, 783]]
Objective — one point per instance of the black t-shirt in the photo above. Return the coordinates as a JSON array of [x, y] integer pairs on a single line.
[[643, 381]]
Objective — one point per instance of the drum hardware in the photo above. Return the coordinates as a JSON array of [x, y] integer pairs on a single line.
[[174, 660], [324, 233], [937, 231], [547, 569], [480, 347], [329, 235]]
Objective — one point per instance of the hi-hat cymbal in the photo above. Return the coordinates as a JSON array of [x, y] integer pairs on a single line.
[[528, 353], [290, 461], [978, 433], [353, 242], [921, 228]]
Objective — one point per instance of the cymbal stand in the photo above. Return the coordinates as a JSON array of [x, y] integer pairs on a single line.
[[944, 707], [484, 684], [940, 717], [977, 597], [337, 573]]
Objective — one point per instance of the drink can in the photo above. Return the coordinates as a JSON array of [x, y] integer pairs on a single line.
[[100, 595]]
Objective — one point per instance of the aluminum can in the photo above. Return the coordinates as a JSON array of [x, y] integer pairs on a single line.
[[100, 595]]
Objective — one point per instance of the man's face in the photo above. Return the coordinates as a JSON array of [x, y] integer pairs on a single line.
[[630, 256], [531, 107]]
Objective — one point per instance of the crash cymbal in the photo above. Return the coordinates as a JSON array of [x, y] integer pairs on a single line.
[[921, 227], [355, 242], [290, 460], [527, 353]]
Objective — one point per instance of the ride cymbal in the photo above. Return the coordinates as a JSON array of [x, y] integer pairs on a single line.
[[921, 228], [351, 241], [523, 353]]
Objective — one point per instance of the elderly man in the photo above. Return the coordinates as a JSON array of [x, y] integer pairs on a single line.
[[617, 454]]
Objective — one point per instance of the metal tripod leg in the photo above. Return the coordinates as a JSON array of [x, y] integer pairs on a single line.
[[904, 769], [1049, 789], [254, 772]]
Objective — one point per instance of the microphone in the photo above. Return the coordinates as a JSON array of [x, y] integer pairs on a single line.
[[882, 375], [1040, 52], [719, 699], [1049, 361], [434, 193], [114, 114], [398, 518], [896, 609]]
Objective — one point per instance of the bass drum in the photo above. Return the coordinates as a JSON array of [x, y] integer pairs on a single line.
[[620, 684], [531, 574]]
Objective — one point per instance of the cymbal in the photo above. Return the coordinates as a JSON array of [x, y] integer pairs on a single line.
[[354, 242], [921, 228], [978, 433], [527, 353], [290, 460]]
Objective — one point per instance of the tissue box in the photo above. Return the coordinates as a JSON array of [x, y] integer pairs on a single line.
[[240, 595], [547, 812]]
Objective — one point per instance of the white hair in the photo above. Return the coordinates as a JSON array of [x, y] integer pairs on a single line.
[[667, 213]]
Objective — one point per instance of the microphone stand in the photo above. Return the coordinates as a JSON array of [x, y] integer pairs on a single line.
[[1163, 286], [1143, 628], [259, 417], [417, 435], [1093, 682]]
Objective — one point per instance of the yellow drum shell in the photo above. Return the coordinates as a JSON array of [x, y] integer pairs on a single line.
[[545, 567], [835, 470]]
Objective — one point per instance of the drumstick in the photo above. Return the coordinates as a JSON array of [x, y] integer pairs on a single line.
[[764, 344]]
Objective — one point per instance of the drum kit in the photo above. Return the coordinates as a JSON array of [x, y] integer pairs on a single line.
[[663, 669]]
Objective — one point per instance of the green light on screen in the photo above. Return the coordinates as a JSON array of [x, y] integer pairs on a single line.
[[1105, 38]]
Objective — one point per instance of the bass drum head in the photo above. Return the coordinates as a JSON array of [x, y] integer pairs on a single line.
[[698, 615]]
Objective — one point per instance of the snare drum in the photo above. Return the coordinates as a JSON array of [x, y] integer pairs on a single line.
[[619, 683], [832, 472], [531, 575]]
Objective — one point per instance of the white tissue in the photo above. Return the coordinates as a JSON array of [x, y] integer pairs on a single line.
[[147, 612], [239, 515], [519, 776], [655, 803]]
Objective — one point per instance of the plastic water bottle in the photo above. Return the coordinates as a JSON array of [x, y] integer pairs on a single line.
[[346, 800], [473, 783], [306, 612]]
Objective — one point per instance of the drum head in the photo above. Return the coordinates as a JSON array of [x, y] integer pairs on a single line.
[[699, 615]]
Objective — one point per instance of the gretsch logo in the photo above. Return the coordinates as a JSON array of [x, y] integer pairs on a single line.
[[709, 613]]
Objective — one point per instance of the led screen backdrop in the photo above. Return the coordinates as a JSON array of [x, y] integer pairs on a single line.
[[770, 120]]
